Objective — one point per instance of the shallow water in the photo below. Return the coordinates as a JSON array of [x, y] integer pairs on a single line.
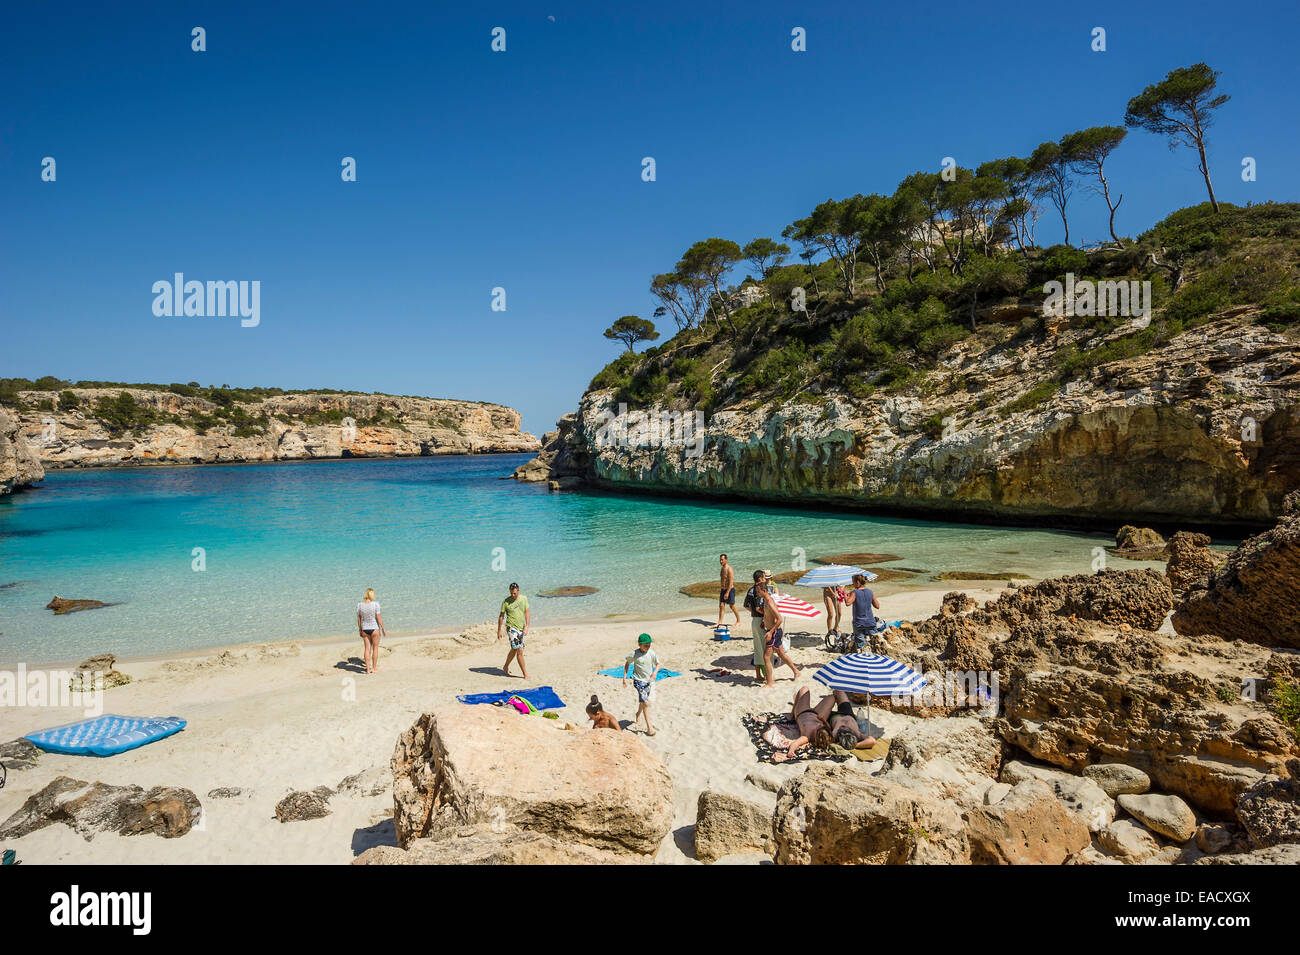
[[289, 549]]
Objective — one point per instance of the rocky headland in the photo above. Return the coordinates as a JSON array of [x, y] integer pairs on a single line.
[[88, 427]]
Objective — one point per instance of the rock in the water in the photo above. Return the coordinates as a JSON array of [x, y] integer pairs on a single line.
[[61, 606], [1139, 543], [489, 844], [1117, 779], [463, 765], [90, 808], [726, 824], [841, 816], [1129, 841], [705, 588], [1028, 826], [301, 805], [1253, 595], [575, 591], [1270, 812], [1167, 815]]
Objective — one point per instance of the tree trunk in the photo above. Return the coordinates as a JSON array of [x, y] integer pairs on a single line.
[[1205, 171]]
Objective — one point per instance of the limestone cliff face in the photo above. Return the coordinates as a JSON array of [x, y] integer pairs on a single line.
[[1206, 428], [18, 466], [294, 430]]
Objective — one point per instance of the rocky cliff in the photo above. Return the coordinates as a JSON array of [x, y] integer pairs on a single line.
[[1205, 428], [159, 427], [18, 466]]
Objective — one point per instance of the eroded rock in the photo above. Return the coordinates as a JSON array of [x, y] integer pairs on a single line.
[[91, 808], [728, 825]]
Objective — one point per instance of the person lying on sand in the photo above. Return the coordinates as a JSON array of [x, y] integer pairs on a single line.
[[823, 726], [600, 720]]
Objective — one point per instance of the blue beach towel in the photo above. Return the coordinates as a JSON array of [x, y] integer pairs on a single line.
[[543, 697], [618, 671], [105, 735]]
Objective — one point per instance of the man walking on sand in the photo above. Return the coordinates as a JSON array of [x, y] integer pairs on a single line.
[[774, 635], [514, 613], [727, 594]]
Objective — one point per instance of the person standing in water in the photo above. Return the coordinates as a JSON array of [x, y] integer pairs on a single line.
[[370, 625], [514, 614], [727, 592]]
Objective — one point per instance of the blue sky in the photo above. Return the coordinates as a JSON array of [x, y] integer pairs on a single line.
[[523, 169]]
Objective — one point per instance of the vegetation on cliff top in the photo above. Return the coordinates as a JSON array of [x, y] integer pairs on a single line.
[[887, 284]]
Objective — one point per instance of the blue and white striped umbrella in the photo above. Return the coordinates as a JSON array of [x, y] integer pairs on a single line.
[[832, 575], [870, 673]]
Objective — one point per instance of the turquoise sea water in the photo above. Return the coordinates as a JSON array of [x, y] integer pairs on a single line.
[[290, 548]]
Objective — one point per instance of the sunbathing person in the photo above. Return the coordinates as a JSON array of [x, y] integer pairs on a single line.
[[822, 726]]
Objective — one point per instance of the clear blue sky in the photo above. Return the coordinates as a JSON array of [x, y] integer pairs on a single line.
[[523, 169]]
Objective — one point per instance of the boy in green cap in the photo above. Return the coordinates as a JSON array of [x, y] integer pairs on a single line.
[[645, 666]]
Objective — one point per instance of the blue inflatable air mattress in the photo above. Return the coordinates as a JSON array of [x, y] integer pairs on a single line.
[[105, 735]]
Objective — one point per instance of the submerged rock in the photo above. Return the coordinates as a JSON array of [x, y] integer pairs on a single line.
[[90, 808], [61, 606], [578, 591]]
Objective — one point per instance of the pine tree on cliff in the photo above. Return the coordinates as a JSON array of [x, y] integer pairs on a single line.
[[1181, 106], [630, 329]]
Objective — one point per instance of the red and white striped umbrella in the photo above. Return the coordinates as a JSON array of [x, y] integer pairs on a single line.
[[794, 607]]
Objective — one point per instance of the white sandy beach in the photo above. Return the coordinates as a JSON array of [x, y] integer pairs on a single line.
[[282, 717]]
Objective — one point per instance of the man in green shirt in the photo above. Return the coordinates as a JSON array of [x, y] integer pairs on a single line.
[[514, 614]]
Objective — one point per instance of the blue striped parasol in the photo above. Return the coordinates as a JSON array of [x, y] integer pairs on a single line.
[[832, 575], [870, 673]]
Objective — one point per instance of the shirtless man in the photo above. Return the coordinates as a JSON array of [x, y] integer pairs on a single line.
[[830, 721], [727, 595]]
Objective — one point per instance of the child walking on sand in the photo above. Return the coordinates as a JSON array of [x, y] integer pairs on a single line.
[[644, 664]]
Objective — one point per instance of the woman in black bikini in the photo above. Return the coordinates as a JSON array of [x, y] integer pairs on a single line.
[[830, 721]]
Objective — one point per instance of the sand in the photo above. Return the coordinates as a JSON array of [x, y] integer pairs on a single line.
[[282, 717]]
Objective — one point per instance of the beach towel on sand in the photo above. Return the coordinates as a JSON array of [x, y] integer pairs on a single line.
[[759, 724], [105, 735], [542, 698], [618, 671]]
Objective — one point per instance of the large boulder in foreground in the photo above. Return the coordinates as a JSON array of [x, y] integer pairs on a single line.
[[1139, 598], [1027, 826], [90, 808], [491, 844], [1253, 595], [1270, 811], [842, 816], [726, 825], [465, 765]]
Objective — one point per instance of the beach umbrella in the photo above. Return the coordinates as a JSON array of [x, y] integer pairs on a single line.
[[794, 607], [832, 575], [869, 673]]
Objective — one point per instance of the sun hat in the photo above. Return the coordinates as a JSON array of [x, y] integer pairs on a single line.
[[644, 638]]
